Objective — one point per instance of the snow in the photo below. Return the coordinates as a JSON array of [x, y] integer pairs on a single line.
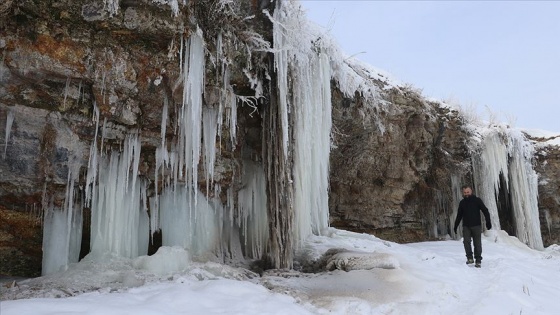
[[373, 277], [548, 138]]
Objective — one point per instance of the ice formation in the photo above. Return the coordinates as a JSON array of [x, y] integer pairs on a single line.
[[312, 127], [506, 153], [123, 216], [487, 167], [299, 60], [119, 222], [62, 228], [252, 211]]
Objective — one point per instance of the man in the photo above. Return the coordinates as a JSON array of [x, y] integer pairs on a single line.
[[469, 212]]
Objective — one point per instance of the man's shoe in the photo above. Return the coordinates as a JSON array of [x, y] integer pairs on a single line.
[[470, 261], [477, 265]]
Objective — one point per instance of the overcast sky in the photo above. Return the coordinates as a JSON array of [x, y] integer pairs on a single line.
[[500, 55]]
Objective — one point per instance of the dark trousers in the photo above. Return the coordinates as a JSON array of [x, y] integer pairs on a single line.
[[473, 232]]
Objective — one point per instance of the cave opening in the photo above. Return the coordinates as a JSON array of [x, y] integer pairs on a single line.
[[505, 206]]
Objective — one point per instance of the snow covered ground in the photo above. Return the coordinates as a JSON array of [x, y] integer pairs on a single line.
[[367, 276]]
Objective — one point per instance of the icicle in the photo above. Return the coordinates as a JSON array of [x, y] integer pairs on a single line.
[[548, 219], [162, 157], [143, 222], [103, 135], [92, 163], [9, 122], [210, 126], [66, 88], [230, 102], [190, 137]]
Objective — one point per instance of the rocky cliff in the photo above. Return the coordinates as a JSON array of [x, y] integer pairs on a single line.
[[548, 167], [77, 75]]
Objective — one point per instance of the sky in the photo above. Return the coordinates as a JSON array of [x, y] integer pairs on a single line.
[[498, 57], [373, 276]]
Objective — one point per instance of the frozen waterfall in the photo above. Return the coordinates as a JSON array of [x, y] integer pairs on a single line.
[[506, 156]]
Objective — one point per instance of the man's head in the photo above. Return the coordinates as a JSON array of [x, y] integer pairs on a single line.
[[467, 191]]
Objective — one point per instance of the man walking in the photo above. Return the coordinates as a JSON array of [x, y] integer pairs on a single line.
[[469, 212]]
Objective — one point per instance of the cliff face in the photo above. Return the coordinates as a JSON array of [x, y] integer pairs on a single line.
[[548, 167], [77, 73], [392, 168]]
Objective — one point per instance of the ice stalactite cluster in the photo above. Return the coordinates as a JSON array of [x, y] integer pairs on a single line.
[[119, 221], [506, 153], [280, 202], [187, 217]]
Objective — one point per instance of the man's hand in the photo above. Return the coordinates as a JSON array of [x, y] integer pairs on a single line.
[[488, 225]]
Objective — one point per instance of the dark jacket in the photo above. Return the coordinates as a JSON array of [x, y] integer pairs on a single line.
[[469, 212]]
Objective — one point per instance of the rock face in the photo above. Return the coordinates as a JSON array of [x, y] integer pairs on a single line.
[[391, 176], [548, 167], [394, 168]]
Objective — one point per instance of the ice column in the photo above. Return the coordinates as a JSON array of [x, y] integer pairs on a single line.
[[312, 127], [210, 126], [524, 192]]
